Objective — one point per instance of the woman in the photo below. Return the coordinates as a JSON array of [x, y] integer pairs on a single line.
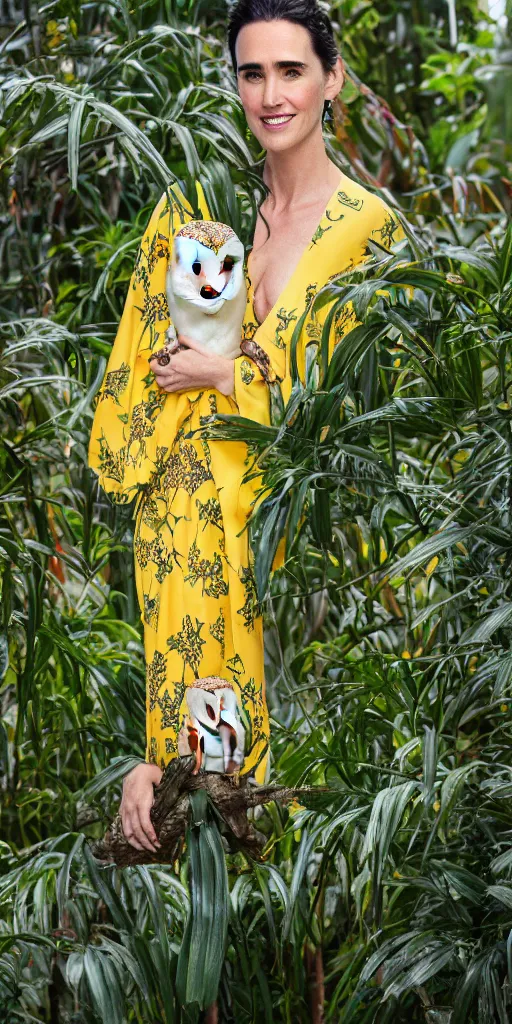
[[193, 568]]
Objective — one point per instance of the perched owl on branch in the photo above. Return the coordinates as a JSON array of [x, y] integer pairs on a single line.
[[206, 290], [213, 729]]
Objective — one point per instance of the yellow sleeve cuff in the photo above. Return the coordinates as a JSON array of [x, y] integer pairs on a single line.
[[251, 392]]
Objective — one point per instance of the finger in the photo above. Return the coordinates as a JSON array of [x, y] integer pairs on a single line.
[[129, 835], [164, 377], [176, 381], [139, 832], [133, 842], [158, 369], [146, 823]]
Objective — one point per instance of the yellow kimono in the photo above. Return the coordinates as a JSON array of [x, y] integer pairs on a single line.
[[193, 565]]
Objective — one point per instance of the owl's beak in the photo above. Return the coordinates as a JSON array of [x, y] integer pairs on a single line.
[[207, 292], [212, 283]]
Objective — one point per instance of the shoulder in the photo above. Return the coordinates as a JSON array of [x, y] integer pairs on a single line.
[[358, 198], [173, 209], [368, 212], [368, 206], [170, 212]]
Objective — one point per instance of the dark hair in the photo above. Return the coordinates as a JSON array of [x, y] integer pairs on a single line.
[[307, 13]]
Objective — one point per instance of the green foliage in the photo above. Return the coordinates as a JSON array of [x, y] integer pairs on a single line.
[[203, 947], [389, 474]]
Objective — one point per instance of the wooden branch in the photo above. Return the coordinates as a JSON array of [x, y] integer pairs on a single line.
[[231, 796]]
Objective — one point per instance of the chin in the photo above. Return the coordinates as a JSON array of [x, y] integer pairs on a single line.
[[278, 142]]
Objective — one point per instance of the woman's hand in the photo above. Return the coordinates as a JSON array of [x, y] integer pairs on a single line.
[[136, 804], [196, 368]]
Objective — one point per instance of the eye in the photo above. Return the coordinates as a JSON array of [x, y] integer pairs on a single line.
[[196, 267], [228, 263], [252, 75]]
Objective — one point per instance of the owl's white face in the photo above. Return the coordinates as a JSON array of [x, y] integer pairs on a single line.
[[207, 276], [204, 706]]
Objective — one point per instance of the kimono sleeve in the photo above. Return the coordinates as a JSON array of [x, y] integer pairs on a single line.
[[382, 226], [251, 391], [123, 448]]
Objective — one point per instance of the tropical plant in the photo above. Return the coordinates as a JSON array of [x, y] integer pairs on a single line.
[[389, 473]]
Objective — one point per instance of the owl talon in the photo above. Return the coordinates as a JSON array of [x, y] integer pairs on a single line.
[[163, 357], [172, 343], [171, 346]]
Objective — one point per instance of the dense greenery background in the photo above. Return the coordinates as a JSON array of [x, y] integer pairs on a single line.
[[390, 473]]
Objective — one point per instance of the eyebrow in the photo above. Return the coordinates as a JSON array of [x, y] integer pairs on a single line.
[[253, 66]]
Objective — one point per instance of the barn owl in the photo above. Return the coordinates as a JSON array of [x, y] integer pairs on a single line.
[[206, 290], [213, 730]]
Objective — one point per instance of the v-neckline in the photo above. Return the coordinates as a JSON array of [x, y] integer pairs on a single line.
[[297, 267]]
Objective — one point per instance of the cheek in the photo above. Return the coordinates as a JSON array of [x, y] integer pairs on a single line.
[[250, 99], [308, 97]]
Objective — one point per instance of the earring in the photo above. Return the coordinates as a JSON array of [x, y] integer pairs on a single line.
[[328, 113]]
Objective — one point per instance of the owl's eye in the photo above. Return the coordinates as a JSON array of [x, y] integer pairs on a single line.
[[196, 267], [228, 263]]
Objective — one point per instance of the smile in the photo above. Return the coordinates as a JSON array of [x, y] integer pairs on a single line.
[[207, 292], [278, 121]]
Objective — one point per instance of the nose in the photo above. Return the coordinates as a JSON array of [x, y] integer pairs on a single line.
[[271, 91]]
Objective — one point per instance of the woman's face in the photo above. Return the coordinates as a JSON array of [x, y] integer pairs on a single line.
[[280, 77]]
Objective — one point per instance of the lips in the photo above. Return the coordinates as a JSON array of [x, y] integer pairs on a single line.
[[277, 121]]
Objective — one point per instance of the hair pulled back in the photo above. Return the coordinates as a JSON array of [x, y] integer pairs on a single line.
[[308, 13]]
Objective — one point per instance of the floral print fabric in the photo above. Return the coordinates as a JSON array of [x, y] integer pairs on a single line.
[[193, 565]]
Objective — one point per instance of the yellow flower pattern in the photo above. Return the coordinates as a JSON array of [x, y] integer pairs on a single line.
[[193, 564]]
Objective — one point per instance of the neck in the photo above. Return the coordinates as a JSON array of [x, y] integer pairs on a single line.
[[284, 174]]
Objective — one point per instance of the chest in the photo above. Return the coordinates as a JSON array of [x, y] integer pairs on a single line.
[[274, 259]]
